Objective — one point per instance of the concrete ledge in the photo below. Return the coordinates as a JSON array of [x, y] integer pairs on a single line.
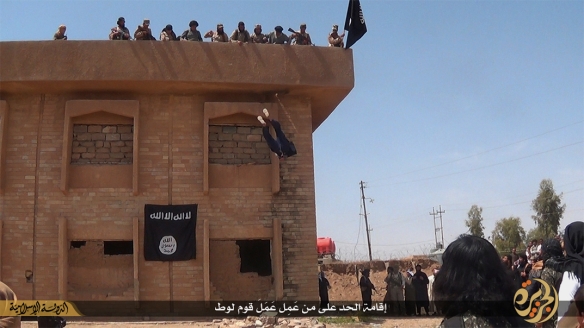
[[325, 74]]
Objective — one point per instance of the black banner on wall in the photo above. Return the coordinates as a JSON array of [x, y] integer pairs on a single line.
[[169, 232]]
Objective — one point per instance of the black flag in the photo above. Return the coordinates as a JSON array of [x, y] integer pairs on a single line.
[[169, 232], [354, 23]]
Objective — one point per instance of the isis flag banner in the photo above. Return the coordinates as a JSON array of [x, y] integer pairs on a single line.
[[169, 232], [354, 23]]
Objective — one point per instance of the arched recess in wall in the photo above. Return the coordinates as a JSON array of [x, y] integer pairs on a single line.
[[3, 122], [238, 155], [100, 145]]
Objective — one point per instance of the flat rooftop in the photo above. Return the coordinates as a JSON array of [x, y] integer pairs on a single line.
[[323, 74]]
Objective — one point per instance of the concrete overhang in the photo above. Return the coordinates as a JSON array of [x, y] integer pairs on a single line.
[[323, 74]]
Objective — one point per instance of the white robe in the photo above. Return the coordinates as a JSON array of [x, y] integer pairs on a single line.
[[432, 307], [568, 289]]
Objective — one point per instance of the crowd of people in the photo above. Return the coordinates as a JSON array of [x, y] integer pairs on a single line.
[[406, 293], [239, 35], [475, 287]]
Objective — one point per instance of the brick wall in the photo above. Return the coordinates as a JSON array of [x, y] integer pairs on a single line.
[[102, 144], [93, 275], [295, 204], [170, 172], [230, 284], [237, 145]]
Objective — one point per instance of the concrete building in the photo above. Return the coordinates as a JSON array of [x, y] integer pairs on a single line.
[[91, 131]]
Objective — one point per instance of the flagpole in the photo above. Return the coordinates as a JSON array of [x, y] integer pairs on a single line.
[[352, 9]]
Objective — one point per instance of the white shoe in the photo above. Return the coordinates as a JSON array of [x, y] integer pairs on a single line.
[[266, 113], [261, 120]]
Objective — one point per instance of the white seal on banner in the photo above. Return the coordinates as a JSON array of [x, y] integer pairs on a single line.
[[167, 245]]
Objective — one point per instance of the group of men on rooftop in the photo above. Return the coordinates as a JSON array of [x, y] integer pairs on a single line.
[[239, 35]]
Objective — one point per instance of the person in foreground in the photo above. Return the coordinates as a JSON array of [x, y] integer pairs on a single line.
[[472, 289], [574, 316], [572, 265], [7, 295]]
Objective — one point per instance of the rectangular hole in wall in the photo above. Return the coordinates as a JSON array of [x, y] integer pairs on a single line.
[[255, 256], [102, 144], [228, 282], [237, 145], [118, 247], [77, 243]]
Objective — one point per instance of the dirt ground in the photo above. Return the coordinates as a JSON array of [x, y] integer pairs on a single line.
[[344, 288]]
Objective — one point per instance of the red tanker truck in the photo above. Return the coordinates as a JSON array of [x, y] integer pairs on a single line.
[[325, 247]]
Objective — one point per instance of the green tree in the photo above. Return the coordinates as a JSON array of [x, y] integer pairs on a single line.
[[508, 234], [548, 209], [475, 221]]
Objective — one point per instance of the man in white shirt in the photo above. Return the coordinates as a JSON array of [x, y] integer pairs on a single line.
[[431, 278], [534, 251]]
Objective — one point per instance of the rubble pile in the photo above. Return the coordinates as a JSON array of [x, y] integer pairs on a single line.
[[267, 322]]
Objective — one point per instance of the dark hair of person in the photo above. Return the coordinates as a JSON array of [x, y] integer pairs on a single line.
[[574, 246], [523, 256], [509, 261], [551, 254], [473, 280]]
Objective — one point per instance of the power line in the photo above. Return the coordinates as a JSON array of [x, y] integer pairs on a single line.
[[418, 217], [487, 166], [481, 153], [517, 196], [524, 202]]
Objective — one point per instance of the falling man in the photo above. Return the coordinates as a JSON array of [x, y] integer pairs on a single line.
[[281, 146]]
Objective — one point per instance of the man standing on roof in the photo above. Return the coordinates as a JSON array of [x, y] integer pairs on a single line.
[[240, 35], [192, 34], [120, 32], [277, 37], [302, 37], [143, 32], [218, 36], [257, 36], [334, 39]]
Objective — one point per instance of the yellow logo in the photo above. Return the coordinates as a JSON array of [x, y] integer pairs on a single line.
[[38, 308], [542, 304]]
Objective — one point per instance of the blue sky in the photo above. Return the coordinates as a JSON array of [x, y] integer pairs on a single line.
[[455, 103]]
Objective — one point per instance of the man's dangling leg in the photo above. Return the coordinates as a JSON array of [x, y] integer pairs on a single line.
[[285, 144], [272, 143], [279, 133]]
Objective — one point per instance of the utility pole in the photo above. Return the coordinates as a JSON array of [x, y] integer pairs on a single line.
[[441, 226], [366, 224], [433, 213], [441, 244]]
